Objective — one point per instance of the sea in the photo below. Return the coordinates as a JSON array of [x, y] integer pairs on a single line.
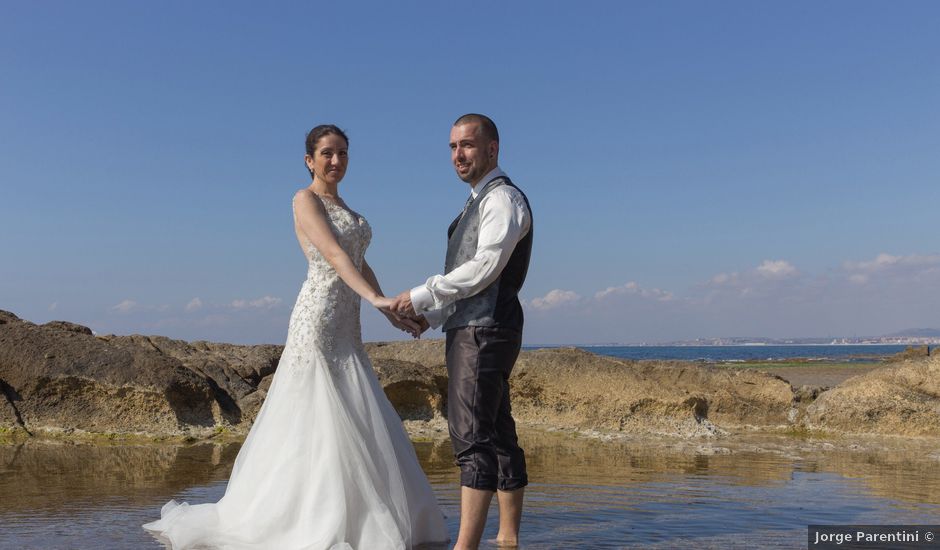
[[861, 353]]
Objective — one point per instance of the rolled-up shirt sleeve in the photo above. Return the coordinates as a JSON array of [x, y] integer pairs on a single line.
[[504, 220]]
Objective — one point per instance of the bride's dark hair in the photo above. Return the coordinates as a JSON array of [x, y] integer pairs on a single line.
[[323, 130], [313, 136]]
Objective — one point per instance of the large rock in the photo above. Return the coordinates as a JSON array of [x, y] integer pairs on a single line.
[[569, 387], [572, 388], [413, 376], [233, 372], [899, 399], [60, 377]]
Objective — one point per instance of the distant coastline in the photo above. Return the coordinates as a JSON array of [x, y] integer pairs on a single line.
[[752, 344], [745, 344], [744, 352], [889, 340]]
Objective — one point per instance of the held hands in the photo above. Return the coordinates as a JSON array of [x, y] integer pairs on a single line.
[[402, 305], [412, 324]]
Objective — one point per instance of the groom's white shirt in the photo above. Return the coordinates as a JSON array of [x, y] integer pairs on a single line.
[[504, 221]]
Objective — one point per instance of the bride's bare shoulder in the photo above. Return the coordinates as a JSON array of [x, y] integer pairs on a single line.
[[304, 195], [306, 200]]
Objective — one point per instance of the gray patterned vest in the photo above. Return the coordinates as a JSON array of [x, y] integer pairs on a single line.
[[498, 304]]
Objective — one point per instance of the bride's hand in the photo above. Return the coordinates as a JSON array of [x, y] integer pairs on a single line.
[[386, 306], [410, 326]]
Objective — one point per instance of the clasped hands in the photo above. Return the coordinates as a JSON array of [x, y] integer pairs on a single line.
[[401, 313]]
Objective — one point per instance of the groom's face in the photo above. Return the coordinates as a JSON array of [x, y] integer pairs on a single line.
[[472, 154]]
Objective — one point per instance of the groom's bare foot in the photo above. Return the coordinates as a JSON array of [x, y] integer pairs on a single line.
[[506, 542]]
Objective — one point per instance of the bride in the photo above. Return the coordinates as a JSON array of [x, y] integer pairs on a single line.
[[327, 463]]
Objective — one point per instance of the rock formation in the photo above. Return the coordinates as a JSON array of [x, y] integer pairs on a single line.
[[61, 378], [898, 399]]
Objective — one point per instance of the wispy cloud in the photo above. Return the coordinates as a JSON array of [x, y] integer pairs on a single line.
[[131, 306], [887, 268], [126, 306], [559, 298], [772, 297], [196, 305], [265, 302], [883, 262], [239, 320]]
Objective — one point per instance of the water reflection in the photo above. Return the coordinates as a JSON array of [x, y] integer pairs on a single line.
[[584, 492], [48, 476]]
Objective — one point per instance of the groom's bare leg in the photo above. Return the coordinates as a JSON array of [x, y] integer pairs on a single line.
[[474, 504], [510, 515]]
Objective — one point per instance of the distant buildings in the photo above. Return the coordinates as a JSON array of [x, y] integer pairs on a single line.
[[853, 341]]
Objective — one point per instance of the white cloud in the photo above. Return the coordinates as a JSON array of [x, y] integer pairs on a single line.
[[632, 288], [194, 305], [629, 288], [555, 298], [125, 306], [776, 269], [261, 303]]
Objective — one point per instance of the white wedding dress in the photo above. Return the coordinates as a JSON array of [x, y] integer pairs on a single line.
[[327, 463]]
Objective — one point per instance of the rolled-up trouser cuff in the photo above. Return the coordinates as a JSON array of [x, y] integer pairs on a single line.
[[485, 482], [512, 483], [478, 480]]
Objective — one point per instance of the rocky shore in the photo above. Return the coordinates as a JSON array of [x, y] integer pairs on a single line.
[[59, 379]]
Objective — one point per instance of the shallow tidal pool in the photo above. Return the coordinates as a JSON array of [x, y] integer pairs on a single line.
[[584, 492]]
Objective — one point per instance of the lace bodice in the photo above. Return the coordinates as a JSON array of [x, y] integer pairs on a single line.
[[353, 233], [326, 315]]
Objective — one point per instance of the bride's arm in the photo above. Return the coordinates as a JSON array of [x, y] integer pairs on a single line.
[[408, 325], [311, 216], [370, 277]]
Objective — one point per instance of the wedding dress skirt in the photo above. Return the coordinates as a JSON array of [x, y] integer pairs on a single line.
[[327, 463]]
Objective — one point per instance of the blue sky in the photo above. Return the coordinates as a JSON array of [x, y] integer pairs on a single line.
[[696, 168]]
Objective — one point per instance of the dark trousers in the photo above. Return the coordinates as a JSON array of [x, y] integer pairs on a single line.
[[483, 433]]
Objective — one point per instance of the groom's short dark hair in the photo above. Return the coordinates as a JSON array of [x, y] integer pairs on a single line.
[[487, 126]]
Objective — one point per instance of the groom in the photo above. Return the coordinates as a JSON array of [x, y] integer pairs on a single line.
[[477, 302]]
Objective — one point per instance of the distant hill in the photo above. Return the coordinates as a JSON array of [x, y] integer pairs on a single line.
[[917, 333]]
